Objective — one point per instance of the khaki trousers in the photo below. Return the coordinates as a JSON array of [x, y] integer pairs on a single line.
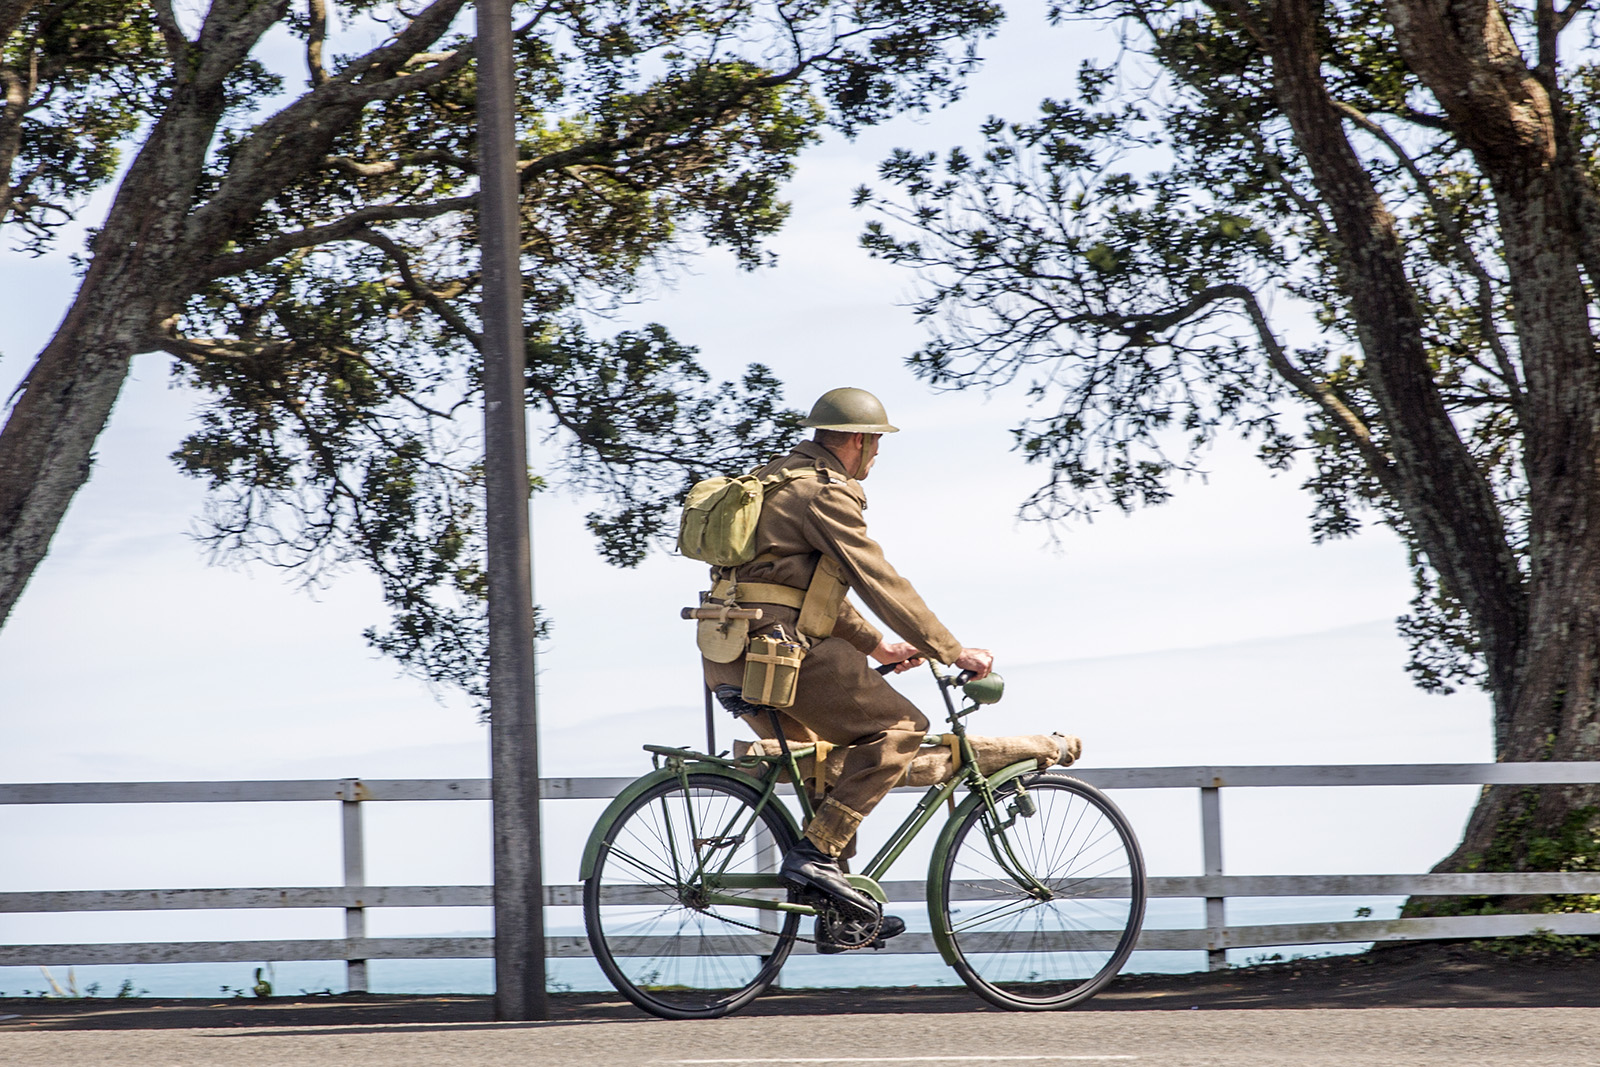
[[842, 700]]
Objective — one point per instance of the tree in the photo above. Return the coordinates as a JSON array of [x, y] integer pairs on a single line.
[[306, 255], [1369, 237]]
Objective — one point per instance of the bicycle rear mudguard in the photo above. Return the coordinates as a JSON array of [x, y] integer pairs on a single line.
[[946, 838], [591, 850]]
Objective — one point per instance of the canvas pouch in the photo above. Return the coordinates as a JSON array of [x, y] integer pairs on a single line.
[[772, 670]]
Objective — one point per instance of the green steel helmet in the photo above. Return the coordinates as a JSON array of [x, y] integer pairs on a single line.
[[849, 411]]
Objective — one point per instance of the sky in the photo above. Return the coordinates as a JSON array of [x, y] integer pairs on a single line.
[[1208, 630]]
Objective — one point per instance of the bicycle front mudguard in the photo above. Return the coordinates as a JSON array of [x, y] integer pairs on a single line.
[[633, 790], [946, 841]]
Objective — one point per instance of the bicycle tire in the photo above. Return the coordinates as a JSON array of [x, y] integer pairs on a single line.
[[647, 930], [1058, 952]]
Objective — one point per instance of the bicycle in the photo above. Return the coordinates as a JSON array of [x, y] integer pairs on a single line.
[[688, 919]]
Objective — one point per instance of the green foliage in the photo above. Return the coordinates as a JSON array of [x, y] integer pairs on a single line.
[[1527, 838], [1541, 945], [1150, 259], [90, 72], [331, 321]]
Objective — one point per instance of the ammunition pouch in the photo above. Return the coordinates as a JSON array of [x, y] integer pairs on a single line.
[[819, 609]]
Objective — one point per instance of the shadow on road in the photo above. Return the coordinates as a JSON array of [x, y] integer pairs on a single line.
[[1413, 976]]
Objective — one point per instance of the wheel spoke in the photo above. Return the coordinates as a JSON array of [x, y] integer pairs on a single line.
[[680, 957], [1021, 951]]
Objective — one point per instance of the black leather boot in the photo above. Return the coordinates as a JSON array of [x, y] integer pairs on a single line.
[[807, 865]]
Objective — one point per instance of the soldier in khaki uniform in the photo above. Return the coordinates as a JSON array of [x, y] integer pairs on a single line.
[[812, 529]]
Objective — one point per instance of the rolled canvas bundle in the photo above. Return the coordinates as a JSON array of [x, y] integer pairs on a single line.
[[936, 762]]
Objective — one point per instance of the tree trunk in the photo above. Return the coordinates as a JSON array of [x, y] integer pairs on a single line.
[[1447, 502], [1554, 711], [1505, 115], [134, 281]]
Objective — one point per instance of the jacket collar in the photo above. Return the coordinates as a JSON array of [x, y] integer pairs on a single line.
[[813, 451]]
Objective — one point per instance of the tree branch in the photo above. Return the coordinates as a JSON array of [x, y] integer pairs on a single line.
[[421, 291], [343, 229], [1441, 211], [1566, 14], [231, 30], [290, 142], [177, 44], [16, 103], [384, 167], [1442, 494], [317, 15], [200, 351], [1333, 406], [12, 12]]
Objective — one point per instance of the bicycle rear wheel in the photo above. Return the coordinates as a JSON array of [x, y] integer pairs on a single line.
[[658, 939], [1056, 938]]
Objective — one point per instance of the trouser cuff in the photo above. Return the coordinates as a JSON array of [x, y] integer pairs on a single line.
[[834, 826]]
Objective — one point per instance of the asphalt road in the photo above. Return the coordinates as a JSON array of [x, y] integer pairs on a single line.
[[1437, 1005], [1385, 1037]]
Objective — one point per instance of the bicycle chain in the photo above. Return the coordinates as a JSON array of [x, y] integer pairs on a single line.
[[808, 940]]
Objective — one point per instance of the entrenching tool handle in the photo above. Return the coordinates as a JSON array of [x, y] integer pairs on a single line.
[[722, 614]]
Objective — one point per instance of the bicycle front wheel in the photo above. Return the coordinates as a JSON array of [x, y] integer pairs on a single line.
[[1042, 912], [662, 942]]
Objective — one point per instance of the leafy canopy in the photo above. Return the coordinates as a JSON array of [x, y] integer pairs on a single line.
[[1151, 258], [323, 297]]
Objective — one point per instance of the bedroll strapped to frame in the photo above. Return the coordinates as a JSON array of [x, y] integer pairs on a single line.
[[937, 762]]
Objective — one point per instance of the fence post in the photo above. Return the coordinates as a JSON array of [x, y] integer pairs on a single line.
[[355, 875], [768, 860], [1211, 849]]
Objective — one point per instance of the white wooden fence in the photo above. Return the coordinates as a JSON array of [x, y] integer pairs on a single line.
[[354, 896]]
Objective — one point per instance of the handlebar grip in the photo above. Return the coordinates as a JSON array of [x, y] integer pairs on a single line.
[[887, 668]]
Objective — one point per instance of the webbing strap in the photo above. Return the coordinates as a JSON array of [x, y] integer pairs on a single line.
[[771, 675], [769, 593], [953, 743], [823, 748]]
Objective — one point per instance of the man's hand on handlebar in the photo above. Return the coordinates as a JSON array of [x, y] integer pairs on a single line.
[[980, 661], [902, 654]]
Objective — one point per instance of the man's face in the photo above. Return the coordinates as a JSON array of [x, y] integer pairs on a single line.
[[869, 453]]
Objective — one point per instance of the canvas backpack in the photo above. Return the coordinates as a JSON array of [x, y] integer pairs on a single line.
[[718, 525]]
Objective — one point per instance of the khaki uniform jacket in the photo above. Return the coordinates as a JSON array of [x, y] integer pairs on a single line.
[[807, 518]]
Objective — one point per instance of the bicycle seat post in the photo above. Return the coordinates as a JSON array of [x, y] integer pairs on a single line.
[[790, 762]]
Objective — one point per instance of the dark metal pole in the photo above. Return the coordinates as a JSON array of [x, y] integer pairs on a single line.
[[513, 731], [711, 725]]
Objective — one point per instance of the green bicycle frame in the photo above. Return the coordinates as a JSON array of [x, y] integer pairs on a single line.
[[679, 763]]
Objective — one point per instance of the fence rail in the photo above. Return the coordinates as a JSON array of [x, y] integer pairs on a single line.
[[355, 896]]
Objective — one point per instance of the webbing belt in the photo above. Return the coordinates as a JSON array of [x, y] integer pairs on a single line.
[[769, 593]]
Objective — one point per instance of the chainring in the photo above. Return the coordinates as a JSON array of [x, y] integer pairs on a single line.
[[847, 927]]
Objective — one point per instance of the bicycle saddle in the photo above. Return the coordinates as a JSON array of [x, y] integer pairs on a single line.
[[731, 697]]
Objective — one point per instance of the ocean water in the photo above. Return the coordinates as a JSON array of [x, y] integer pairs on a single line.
[[578, 975]]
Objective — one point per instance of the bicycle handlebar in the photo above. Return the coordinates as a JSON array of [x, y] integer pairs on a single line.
[[953, 680]]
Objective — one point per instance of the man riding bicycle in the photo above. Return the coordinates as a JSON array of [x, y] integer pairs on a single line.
[[811, 548]]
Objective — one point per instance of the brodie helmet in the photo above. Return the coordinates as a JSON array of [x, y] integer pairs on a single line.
[[849, 410]]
